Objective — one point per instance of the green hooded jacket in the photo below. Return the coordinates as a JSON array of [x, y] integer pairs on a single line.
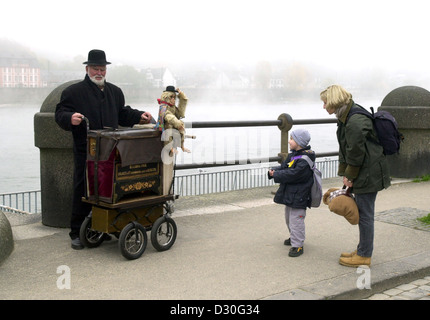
[[361, 160]]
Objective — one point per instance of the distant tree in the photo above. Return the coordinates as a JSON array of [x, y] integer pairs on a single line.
[[263, 74], [298, 78], [9, 48], [126, 75]]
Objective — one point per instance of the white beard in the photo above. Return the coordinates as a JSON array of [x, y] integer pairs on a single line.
[[100, 83]]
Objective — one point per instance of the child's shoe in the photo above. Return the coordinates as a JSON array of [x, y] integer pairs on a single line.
[[295, 252], [287, 242]]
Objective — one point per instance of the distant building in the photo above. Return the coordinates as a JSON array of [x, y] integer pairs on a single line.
[[160, 77], [231, 80], [276, 83], [19, 72]]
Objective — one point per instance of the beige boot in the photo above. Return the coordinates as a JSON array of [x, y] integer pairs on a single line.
[[354, 261], [348, 254]]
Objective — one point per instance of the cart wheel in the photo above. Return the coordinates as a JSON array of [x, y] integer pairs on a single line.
[[163, 233], [89, 237], [133, 240]]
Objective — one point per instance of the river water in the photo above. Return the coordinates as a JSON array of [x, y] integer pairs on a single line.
[[20, 163]]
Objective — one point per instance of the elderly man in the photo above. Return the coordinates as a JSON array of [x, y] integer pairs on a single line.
[[103, 104]]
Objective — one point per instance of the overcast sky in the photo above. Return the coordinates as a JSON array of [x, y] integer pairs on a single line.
[[332, 33]]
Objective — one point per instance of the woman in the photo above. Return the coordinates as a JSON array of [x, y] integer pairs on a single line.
[[361, 163]]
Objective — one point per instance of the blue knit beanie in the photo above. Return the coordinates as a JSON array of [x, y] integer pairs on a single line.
[[301, 137]]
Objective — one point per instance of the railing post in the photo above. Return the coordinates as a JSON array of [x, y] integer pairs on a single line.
[[285, 126]]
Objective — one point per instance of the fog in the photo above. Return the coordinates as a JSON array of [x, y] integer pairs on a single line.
[[346, 39], [334, 33], [359, 44]]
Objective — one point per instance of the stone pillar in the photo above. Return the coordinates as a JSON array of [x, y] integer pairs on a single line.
[[6, 238], [56, 162], [410, 106]]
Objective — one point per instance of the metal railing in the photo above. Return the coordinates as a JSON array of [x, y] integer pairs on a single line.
[[227, 180], [284, 123], [205, 182], [192, 184], [21, 202]]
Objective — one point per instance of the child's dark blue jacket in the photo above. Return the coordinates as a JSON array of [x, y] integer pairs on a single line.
[[296, 179]]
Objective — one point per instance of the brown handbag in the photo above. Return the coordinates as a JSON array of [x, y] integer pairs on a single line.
[[342, 202]]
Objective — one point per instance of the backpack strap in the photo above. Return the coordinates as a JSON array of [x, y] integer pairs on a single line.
[[356, 108], [308, 160], [361, 110], [295, 158]]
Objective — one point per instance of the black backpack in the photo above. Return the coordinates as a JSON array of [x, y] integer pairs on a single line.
[[386, 127]]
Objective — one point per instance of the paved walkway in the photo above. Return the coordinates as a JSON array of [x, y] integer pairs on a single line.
[[230, 246], [415, 290]]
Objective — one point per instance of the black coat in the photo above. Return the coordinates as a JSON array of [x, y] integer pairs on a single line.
[[295, 180], [102, 108], [361, 159]]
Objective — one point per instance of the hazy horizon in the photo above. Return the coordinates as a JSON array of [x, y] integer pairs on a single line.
[[333, 34]]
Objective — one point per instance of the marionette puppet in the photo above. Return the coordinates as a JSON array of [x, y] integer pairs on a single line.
[[169, 114]]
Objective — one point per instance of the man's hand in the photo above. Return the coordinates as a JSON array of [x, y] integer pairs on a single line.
[[77, 118], [145, 117]]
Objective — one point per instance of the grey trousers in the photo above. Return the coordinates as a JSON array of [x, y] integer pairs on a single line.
[[366, 223], [295, 219]]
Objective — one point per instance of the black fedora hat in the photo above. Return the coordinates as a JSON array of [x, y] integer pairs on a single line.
[[96, 58], [170, 89]]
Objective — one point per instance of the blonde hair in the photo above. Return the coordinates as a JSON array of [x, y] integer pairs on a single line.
[[167, 95], [335, 97]]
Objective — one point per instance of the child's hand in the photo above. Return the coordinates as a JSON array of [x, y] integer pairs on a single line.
[[271, 172]]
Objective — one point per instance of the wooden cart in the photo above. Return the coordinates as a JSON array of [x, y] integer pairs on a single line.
[[130, 190]]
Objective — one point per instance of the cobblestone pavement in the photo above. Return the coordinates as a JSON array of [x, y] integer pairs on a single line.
[[415, 290], [404, 216]]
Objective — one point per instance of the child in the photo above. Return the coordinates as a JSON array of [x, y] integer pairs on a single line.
[[169, 114], [296, 178]]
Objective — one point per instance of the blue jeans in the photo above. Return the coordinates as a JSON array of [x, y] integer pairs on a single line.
[[366, 224]]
